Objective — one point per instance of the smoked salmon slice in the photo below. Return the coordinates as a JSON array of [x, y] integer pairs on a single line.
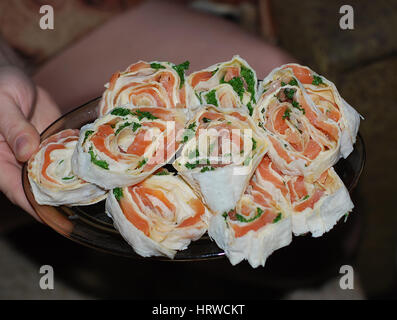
[[159, 216], [51, 176]]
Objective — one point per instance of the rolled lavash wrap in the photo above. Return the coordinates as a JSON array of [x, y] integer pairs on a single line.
[[160, 84], [127, 144], [51, 177], [318, 206], [221, 150], [302, 140], [230, 84], [158, 216], [327, 99], [261, 221]]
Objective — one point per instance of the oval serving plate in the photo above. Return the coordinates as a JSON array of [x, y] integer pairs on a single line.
[[90, 226]]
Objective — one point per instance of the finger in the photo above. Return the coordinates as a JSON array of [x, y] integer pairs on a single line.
[[11, 182], [16, 99]]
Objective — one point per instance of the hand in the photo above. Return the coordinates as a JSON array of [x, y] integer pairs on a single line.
[[25, 110]]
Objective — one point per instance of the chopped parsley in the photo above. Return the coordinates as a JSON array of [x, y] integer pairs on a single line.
[[287, 114], [67, 178], [250, 108], [143, 114], [190, 165], [162, 173], [205, 169], [206, 120], [199, 97], [118, 193], [293, 82], [122, 112], [141, 163], [135, 126], [278, 218], [155, 65], [100, 163], [249, 78], [305, 197], [124, 125], [180, 69], [289, 93], [211, 98], [296, 105], [192, 126], [87, 134], [317, 80], [237, 85], [240, 218], [253, 144]]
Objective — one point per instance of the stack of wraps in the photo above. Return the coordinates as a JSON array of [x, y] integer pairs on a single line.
[[253, 160]]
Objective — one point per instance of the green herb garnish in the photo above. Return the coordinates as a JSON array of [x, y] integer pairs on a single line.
[[141, 163], [118, 193], [180, 69], [67, 178], [100, 163], [237, 85], [287, 114], [296, 105], [278, 218], [199, 97], [305, 197], [249, 78], [122, 112], [289, 93], [155, 65], [143, 114], [206, 120], [211, 98], [317, 80], [240, 218], [253, 144], [87, 134], [204, 169], [190, 165], [124, 125], [215, 71], [250, 108], [293, 82], [162, 173]]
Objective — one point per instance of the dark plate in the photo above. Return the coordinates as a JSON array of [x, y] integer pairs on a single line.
[[89, 225]]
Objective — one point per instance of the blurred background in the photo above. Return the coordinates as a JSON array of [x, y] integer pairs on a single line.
[[361, 62]]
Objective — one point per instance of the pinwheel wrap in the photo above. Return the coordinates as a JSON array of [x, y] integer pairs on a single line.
[[158, 216], [160, 84], [51, 176], [126, 145], [318, 206], [308, 133], [221, 150], [261, 221], [230, 84]]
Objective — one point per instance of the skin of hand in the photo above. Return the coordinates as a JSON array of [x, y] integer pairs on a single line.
[[25, 110]]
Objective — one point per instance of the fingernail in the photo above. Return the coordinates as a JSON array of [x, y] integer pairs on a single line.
[[22, 148]]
